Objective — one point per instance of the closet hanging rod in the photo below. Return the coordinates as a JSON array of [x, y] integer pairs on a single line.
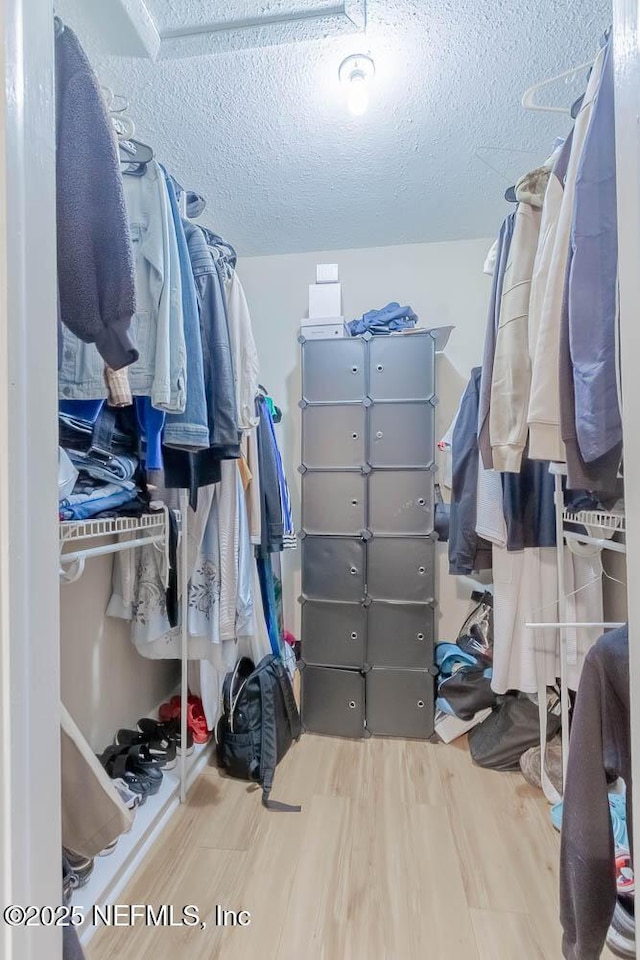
[[528, 97], [596, 541], [573, 623], [109, 548]]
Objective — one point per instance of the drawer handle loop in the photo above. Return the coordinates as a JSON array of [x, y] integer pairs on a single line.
[[420, 704], [354, 369], [354, 635], [421, 501], [422, 571], [352, 704], [379, 368], [354, 502], [379, 435], [353, 571], [421, 636], [354, 436]]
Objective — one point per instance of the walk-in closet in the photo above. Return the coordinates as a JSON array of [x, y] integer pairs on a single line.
[[323, 315]]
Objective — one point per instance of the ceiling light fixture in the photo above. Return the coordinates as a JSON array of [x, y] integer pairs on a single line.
[[355, 73]]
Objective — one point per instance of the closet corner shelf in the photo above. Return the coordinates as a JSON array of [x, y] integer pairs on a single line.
[[150, 528], [112, 873], [611, 521], [601, 526]]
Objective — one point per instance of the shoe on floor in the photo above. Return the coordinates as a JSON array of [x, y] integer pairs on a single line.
[[621, 938], [81, 867], [109, 849], [530, 764], [129, 797], [168, 730], [197, 721], [161, 749]]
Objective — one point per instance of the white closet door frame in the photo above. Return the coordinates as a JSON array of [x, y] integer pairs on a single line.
[[626, 21], [30, 869]]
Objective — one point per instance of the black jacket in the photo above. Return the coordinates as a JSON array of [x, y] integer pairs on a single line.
[[600, 751], [467, 551]]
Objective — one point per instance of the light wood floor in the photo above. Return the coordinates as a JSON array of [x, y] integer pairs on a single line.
[[403, 851]]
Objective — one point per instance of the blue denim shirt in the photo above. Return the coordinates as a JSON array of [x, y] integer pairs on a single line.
[[188, 430], [593, 280], [216, 347]]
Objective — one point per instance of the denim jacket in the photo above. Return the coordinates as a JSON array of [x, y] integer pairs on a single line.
[[158, 325], [216, 347], [188, 430]]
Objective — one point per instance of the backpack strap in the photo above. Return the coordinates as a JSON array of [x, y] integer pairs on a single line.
[[289, 700], [269, 748]]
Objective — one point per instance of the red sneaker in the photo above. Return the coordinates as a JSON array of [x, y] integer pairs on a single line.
[[170, 711], [197, 721]]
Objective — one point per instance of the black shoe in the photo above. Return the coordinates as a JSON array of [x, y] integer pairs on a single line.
[[170, 731], [81, 867], [161, 749]]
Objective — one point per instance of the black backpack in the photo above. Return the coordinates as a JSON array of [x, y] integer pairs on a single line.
[[259, 722]]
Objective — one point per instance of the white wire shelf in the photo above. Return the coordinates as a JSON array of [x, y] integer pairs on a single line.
[[151, 529], [74, 530], [612, 521]]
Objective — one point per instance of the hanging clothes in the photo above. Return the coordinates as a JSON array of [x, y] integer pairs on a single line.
[[272, 533], [543, 416], [246, 367], [526, 591], [600, 749], [511, 378], [593, 280], [502, 255], [599, 476], [96, 282], [546, 375], [188, 430], [467, 552], [160, 372]]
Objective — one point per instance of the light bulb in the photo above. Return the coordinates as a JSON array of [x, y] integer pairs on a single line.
[[358, 95]]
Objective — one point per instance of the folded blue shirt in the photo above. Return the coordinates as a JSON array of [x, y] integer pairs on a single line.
[[389, 319]]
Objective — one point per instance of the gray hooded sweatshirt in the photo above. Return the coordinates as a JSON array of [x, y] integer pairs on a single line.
[[95, 261]]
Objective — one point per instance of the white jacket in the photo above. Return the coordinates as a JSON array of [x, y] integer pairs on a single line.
[[511, 368], [243, 349], [548, 289]]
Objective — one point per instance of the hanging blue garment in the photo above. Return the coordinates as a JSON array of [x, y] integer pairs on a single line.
[[268, 591]]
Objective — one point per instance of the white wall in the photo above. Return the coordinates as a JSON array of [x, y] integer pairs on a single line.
[[444, 284], [106, 684]]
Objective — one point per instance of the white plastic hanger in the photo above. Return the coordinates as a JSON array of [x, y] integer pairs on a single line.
[[528, 98]]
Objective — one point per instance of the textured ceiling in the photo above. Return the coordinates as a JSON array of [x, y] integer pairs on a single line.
[[263, 131]]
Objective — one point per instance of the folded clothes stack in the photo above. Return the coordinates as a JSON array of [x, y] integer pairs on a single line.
[[389, 319], [100, 448]]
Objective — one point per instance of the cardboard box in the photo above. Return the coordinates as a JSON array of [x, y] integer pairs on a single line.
[[327, 273], [325, 300], [324, 331], [450, 728], [321, 321]]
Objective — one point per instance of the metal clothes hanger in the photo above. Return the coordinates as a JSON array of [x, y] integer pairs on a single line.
[[529, 96]]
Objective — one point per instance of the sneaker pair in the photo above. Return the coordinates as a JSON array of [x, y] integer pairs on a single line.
[[168, 730], [161, 748], [196, 720]]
